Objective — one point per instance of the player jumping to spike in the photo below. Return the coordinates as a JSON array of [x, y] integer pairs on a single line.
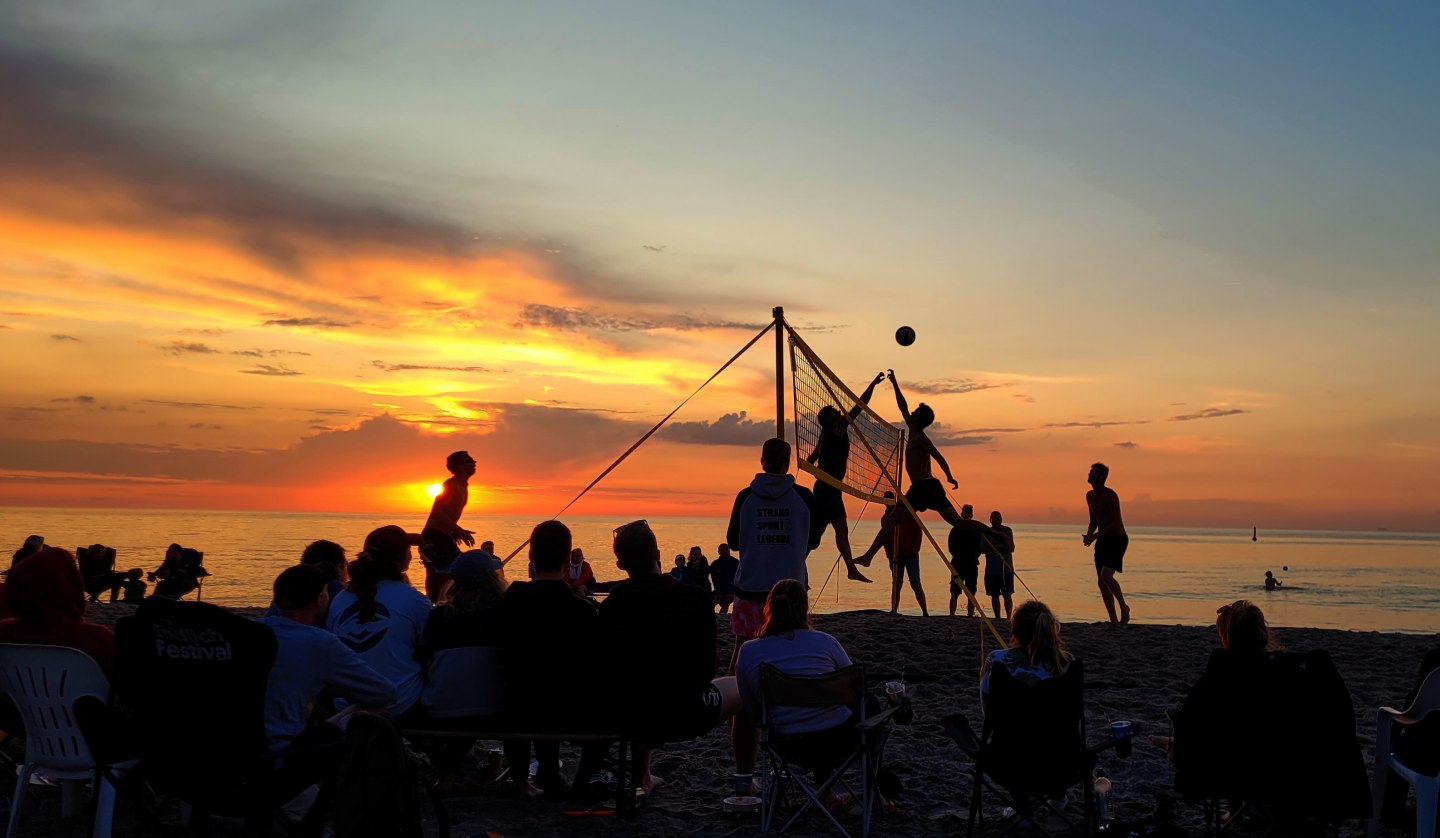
[[925, 491], [832, 451]]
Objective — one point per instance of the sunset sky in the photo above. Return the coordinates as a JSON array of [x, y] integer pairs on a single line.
[[275, 255]]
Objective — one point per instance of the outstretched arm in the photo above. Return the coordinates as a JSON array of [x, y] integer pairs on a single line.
[[865, 396], [899, 397]]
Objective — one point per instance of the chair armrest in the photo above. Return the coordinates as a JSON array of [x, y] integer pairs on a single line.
[[877, 721]]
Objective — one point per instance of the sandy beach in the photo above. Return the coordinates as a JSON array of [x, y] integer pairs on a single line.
[[1149, 667]]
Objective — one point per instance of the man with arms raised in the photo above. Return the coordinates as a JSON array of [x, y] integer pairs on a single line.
[[1107, 533], [772, 527], [925, 491], [832, 451]]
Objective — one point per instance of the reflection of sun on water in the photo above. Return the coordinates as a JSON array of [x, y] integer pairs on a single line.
[[434, 490]]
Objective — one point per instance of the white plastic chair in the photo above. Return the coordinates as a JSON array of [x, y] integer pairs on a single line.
[[45, 682], [1427, 786]]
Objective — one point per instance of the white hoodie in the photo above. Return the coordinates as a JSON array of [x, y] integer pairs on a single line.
[[771, 527]]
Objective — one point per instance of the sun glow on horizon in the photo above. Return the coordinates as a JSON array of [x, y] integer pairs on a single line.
[[434, 490]]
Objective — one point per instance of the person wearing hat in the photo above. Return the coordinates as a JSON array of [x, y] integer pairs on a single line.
[[465, 687], [442, 533]]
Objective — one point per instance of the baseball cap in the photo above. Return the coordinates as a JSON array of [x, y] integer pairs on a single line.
[[473, 565]]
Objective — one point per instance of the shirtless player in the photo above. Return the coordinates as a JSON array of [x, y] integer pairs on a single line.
[[1107, 533]]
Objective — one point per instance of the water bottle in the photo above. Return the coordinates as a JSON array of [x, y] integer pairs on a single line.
[[1102, 795]]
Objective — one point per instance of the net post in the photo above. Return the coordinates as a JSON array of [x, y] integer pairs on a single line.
[[779, 312]]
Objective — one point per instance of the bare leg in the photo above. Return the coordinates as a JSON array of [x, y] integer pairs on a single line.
[[744, 736], [995, 605], [954, 597], [1009, 606], [1107, 595], [842, 542], [895, 573], [1107, 579], [869, 554], [919, 596], [951, 515]]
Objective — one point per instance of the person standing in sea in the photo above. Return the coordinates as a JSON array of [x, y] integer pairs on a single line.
[[1107, 533], [442, 535]]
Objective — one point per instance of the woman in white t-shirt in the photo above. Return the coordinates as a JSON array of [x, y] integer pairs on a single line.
[[825, 735], [382, 617]]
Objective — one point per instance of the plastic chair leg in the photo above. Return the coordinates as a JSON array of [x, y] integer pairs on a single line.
[[1377, 793], [17, 802], [1427, 800], [104, 807]]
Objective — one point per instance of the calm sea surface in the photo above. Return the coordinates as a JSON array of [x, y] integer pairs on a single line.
[[1384, 581]]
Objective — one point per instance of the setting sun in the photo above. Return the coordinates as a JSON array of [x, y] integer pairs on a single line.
[[434, 490]]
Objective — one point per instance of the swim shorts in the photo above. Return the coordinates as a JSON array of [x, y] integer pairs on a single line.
[[964, 572], [928, 494], [1110, 552], [829, 503], [1000, 585], [911, 564], [437, 549], [747, 618]]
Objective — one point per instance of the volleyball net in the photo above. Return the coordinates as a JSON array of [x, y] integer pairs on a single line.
[[814, 386]]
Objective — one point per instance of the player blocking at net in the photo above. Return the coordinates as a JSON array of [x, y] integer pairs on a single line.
[[925, 490], [832, 455]]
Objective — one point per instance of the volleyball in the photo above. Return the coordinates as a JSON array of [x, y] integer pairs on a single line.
[[1286, 567], [904, 335]]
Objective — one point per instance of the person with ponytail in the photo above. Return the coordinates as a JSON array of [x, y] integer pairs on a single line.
[[1036, 651], [382, 617], [788, 643]]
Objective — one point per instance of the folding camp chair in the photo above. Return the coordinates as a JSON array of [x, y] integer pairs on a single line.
[[844, 687], [46, 683], [195, 675], [1421, 770], [1276, 732], [1031, 749]]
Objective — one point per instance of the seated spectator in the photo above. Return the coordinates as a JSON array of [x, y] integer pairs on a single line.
[[45, 594], [30, 546], [552, 669], [381, 617], [465, 686], [578, 574], [307, 661], [664, 635], [97, 571], [179, 573], [678, 571], [1035, 653], [329, 558], [133, 588], [788, 643], [722, 575], [1242, 627], [697, 570]]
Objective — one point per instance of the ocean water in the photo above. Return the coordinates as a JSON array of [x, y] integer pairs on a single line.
[[1367, 581]]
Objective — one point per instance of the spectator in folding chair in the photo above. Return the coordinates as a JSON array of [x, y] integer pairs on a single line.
[[30, 546], [382, 618], [307, 661], [819, 738], [180, 572], [1418, 745], [97, 570], [663, 633], [1035, 653]]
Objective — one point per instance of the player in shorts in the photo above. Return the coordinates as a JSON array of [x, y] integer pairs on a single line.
[[925, 491], [1107, 533], [832, 456], [999, 565]]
